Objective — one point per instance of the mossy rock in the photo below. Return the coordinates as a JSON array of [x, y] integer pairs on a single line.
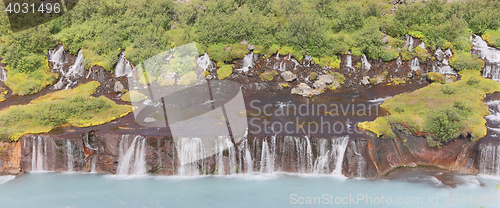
[[188, 79], [225, 71], [133, 96], [340, 78], [399, 81], [435, 77], [206, 73], [268, 75], [313, 76]]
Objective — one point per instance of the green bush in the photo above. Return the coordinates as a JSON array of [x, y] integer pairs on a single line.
[[444, 126], [465, 60]]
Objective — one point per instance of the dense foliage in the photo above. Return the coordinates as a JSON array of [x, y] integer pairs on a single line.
[[321, 28]]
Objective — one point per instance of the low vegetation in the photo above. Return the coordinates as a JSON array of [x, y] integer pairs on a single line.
[[439, 112], [320, 28], [74, 107]]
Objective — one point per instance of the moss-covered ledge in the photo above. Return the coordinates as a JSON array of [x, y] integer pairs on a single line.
[[438, 112], [75, 107]]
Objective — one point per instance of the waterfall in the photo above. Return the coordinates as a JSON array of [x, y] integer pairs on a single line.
[[247, 63], [136, 148], [38, 155], [3, 74], [489, 162], [339, 146], [93, 165], [190, 150], [232, 156], [57, 57], [123, 66], [364, 63], [309, 155], [442, 65], [78, 68], [422, 45], [266, 159], [205, 63], [415, 64], [490, 56], [348, 61], [71, 160], [399, 62], [321, 165], [409, 42]]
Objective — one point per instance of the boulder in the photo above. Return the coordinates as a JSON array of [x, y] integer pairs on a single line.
[[243, 42], [365, 80], [118, 86], [326, 78], [303, 89], [319, 85], [385, 39], [288, 76], [250, 47]]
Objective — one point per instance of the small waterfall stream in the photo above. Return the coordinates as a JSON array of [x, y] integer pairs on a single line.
[[365, 64], [489, 162], [123, 66], [71, 160], [442, 62], [3, 74], [127, 164], [490, 56], [57, 57], [339, 147], [415, 64], [247, 63], [205, 63], [38, 155]]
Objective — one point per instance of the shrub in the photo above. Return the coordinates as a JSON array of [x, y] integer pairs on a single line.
[[448, 90], [444, 126], [465, 60], [313, 76]]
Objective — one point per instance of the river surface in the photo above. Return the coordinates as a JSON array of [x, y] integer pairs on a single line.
[[251, 190]]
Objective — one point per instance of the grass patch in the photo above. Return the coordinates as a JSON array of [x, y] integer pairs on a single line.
[[492, 37], [75, 107], [439, 112], [435, 77], [338, 77]]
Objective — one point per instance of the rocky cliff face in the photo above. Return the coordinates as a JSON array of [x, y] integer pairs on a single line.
[[130, 154]]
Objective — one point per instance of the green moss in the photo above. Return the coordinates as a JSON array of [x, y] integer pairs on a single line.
[[225, 71], [78, 108], [435, 77], [206, 73], [333, 62], [32, 82], [465, 60], [3, 92], [437, 112], [399, 81], [313, 76], [338, 77], [358, 65], [268, 75], [133, 96], [422, 53]]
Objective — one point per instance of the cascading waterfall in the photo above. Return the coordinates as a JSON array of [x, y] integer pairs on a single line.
[[399, 62], [37, 156], [422, 45], [348, 61], [247, 62], [123, 66], [339, 146], [415, 64], [365, 64], [78, 68], [93, 165], [3, 74], [489, 162], [442, 65], [71, 160], [266, 159], [490, 56], [136, 148], [57, 58], [191, 151], [321, 165], [409, 42], [205, 63]]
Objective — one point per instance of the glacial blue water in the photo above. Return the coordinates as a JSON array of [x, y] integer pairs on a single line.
[[259, 190]]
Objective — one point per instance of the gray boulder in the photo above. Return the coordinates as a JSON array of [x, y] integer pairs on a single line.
[[288, 76]]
